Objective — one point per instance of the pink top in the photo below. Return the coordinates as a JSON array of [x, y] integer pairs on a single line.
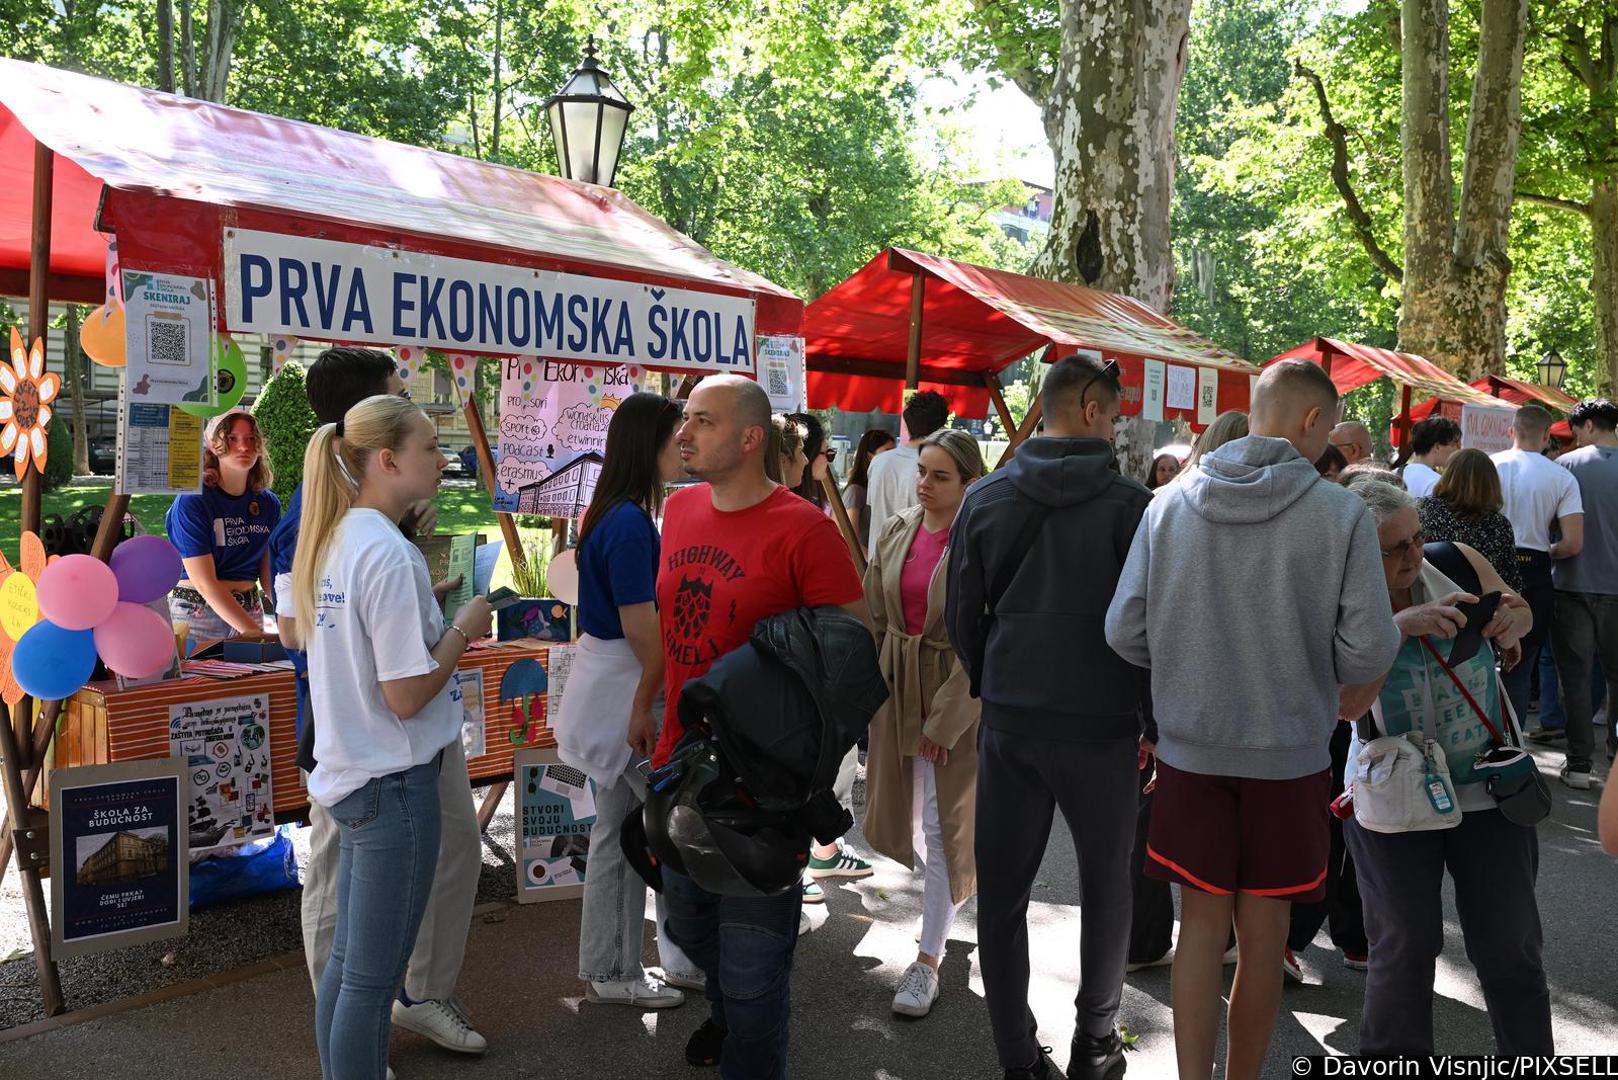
[[917, 575]]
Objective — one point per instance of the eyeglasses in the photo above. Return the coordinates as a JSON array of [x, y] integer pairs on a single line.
[[831, 454], [1109, 371], [1414, 543]]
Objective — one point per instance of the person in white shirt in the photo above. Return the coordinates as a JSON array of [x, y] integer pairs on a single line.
[[381, 667], [1540, 496], [1432, 443], [892, 486]]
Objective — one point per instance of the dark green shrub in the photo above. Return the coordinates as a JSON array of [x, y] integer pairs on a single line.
[[58, 456]]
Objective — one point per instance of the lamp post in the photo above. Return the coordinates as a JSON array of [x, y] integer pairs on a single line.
[[589, 118], [1552, 370]]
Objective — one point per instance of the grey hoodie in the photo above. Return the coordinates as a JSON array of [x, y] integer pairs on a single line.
[[1253, 590]]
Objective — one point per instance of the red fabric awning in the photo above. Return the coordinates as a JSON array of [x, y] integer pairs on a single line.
[[976, 322], [1352, 366], [176, 172], [1510, 392]]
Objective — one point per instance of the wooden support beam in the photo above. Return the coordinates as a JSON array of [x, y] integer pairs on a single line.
[[992, 381], [1404, 426], [39, 303], [33, 893], [112, 520], [480, 442], [44, 731], [1018, 437], [843, 523], [918, 300], [687, 384], [491, 803]]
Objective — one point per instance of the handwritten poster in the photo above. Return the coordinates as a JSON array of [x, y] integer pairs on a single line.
[[565, 411], [1487, 429], [1182, 392], [226, 747]]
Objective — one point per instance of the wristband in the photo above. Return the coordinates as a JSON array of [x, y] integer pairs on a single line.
[[461, 632]]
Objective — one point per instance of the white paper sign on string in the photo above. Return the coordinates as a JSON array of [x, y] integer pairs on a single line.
[[1207, 395], [1153, 377]]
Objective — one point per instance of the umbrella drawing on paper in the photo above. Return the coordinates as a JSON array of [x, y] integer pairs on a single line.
[[524, 680]]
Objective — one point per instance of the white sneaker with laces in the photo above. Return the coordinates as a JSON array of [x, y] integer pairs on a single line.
[[917, 991], [444, 1022], [1580, 781], [642, 993]]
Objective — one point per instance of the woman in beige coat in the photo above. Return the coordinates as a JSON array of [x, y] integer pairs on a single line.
[[921, 776]]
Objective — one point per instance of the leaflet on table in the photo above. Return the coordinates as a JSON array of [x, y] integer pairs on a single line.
[[159, 448], [171, 323], [225, 743]]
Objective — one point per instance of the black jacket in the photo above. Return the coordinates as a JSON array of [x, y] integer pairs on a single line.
[[1046, 668], [787, 706]]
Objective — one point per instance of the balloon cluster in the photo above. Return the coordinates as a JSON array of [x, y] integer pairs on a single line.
[[89, 607]]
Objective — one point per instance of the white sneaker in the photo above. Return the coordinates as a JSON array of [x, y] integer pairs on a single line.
[[1579, 781], [444, 1022], [804, 923], [696, 981], [643, 993], [390, 1073], [1165, 960], [917, 991]]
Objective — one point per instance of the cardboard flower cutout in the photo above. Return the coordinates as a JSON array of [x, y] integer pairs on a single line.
[[19, 608], [26, 393]]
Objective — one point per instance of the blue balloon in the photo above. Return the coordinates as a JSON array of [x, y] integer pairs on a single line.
[[51, 663]]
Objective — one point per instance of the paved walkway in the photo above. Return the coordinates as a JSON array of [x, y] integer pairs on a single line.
[[519, 987]]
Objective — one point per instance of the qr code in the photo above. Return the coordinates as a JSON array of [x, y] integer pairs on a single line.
[[166, 342], [779, 383]]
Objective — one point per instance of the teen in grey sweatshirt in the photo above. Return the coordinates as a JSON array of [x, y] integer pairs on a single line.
[[1254, 589]]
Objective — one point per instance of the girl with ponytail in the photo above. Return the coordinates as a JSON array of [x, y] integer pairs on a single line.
[[381, 666]]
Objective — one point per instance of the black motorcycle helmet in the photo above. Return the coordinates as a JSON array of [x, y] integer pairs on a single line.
[[702, 825]]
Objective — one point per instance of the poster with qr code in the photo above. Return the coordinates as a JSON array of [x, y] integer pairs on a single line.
[[171, 324], [780, 369]]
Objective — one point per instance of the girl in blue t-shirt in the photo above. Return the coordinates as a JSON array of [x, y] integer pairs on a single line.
[[606, 721], [223, 534]]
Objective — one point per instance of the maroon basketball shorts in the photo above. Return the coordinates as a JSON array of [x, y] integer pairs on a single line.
[[1229, 834]]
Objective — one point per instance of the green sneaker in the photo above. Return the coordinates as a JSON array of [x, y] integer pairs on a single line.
[[843, 864]]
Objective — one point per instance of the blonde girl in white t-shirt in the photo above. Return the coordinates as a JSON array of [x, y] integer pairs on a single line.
[[380, 665]]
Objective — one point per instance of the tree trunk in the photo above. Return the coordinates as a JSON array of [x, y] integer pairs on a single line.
[[1604, 280], [1453, 308], [165, 46], [1112, 112], [224, 18], [499, 95], [73, 372], [188, 50]]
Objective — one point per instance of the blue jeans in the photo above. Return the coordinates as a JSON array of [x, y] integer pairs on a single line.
[[388, 838], [744, 944]]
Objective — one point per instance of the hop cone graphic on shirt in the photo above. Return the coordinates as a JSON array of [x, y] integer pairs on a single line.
[[692, 603]]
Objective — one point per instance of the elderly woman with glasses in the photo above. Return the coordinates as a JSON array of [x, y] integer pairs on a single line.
[[1492, 861]]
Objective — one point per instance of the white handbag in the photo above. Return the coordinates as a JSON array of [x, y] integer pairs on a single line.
[[1401, 783]]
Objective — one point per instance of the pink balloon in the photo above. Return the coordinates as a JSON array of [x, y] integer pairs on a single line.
[[135, 641], [77, 591]]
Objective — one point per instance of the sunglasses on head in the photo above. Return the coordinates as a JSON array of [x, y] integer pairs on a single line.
[[1109, 371]]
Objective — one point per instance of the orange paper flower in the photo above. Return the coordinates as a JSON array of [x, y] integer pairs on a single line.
[[18, 608], [26, 393]]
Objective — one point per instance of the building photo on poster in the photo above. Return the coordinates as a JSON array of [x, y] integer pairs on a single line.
[[118, 855]]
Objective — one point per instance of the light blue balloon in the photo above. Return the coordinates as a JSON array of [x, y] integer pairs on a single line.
[[51, 663]]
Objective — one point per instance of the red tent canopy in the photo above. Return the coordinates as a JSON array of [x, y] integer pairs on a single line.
[[976, 321], [1352, 366], [171, 175], [1504, 391]]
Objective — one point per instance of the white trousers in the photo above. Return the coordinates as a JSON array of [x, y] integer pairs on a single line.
[[435, 964], [938, 910]]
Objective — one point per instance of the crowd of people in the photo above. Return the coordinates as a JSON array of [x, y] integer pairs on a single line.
[[1044, 631]]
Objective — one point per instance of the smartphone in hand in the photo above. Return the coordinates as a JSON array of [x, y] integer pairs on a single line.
[[1470, 639], [503, 597]]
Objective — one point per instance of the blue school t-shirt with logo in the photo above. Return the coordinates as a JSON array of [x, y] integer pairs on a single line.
[[234, 529], [617, 568]]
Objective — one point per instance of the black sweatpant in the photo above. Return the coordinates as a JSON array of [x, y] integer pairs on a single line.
[[1341, 907], [1022, 781]]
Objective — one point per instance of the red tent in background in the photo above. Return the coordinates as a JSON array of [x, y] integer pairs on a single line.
[[1503, 390], [964, 324]]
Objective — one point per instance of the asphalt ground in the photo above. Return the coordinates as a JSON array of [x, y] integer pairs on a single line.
[[519, 987]]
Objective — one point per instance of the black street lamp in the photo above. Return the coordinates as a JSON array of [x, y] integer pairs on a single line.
[[1552, 370], [589, 118]]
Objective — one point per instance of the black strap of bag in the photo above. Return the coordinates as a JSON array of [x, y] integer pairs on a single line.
[[1003, 575]]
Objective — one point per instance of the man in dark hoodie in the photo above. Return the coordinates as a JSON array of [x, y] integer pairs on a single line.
[[1061, 711], [1255, 593]]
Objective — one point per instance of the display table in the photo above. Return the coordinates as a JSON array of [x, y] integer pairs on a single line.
[[103, 723]]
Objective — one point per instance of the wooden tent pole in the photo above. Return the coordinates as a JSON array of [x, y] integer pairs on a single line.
[[918, 296], [846, 526], [687, 384], [1018, 437], [25, 835], [1404, 426], [992, 381], [480, 442], [43, 732], [39, 305]]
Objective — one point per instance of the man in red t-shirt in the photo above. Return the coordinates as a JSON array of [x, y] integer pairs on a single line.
[[735, 550]]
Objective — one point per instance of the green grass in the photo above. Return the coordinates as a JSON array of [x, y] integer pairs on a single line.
[[461, 509]]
